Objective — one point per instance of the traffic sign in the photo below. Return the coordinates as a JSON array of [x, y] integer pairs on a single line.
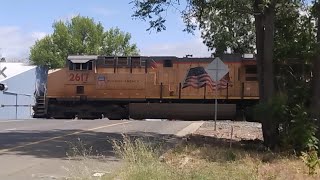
[[2, 72], [217, 69]]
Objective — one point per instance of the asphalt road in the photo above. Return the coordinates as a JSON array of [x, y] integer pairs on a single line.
[[46, 149]]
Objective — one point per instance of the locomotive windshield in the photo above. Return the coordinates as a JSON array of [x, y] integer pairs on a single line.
[[80, 66]]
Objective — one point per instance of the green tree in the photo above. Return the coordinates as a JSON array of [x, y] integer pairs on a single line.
[[46, 52], [225, 25], [80, 35], [118, 42]]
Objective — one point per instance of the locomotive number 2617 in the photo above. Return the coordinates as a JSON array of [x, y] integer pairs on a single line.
[[78, 77]]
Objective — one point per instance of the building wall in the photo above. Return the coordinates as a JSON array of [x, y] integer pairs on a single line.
[[23, 83]]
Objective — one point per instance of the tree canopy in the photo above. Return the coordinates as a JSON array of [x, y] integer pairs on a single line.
[[229, 25], [80, 35], [224, 24]]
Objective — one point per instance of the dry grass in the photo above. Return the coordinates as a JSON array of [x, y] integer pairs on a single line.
[[194, 159], [197, 157]]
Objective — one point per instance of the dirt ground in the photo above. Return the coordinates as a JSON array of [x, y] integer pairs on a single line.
[[231, 130]]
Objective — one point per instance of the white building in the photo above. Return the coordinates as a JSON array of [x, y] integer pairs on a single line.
[[17, 101]]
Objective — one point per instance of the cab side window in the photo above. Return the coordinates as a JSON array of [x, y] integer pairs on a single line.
[[167, 63], [251, 73]]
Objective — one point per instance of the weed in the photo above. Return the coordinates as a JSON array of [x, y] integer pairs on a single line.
[[311, 160], [134, 151]]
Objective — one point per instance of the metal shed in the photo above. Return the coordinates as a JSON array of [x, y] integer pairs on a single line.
[[17, 101]]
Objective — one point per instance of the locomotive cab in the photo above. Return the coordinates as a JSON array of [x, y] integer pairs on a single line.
[[80, 68]]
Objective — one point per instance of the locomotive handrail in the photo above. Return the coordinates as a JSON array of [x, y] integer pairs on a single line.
[[44, 98]]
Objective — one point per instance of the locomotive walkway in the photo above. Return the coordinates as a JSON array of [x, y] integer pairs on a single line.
[[42, 149]]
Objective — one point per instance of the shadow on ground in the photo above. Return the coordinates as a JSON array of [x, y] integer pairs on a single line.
[[69, 145], [45, 144]]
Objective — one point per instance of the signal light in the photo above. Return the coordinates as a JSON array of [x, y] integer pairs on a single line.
[[3, 87]]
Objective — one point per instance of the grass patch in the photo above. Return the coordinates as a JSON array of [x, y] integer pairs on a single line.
[[83, 162], [204, 160]]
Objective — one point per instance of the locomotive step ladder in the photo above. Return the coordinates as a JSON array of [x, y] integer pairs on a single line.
[[40, 107]]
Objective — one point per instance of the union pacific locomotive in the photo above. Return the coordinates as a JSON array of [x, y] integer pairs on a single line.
[[140, 87]]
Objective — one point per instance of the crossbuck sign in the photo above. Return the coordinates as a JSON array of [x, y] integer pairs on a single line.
[[2, 72]]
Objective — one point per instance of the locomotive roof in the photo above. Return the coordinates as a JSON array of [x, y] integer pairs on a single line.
[[225, 58]]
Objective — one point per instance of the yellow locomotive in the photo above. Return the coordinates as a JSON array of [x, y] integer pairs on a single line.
[[158, 87]]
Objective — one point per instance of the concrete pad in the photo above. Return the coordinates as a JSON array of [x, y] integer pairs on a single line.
[[189, 129]]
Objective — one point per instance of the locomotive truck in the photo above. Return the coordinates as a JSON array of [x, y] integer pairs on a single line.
[[142, 87]]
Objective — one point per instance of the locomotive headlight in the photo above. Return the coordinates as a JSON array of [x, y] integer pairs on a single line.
[[3, 87]]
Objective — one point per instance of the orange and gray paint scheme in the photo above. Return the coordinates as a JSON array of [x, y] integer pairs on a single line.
[[142, 87]]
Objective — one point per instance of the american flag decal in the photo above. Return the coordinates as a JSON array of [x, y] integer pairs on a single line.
[[197, 78]]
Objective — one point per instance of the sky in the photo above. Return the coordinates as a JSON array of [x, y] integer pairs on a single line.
[[25, 21]]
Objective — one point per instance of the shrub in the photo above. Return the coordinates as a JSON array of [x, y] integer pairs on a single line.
[[296, 129], [311, 160]]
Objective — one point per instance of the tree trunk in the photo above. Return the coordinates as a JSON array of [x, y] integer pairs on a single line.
[[264, 24], [269, 126], [268, 54], [315, 98]]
